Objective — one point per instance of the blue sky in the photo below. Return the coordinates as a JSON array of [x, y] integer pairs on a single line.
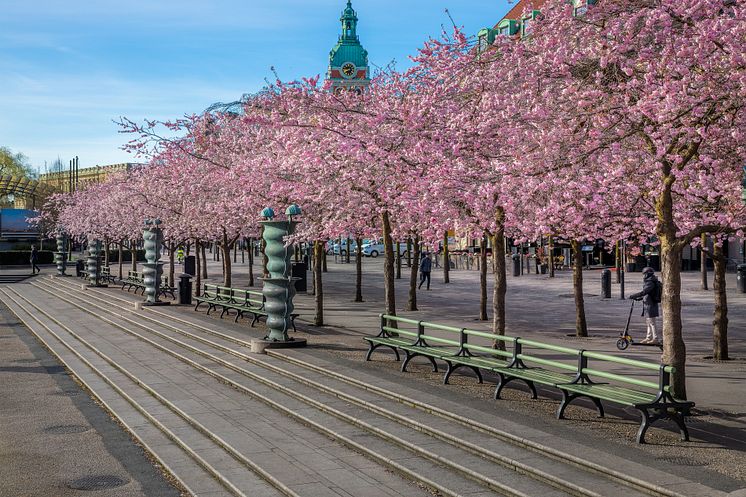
[[68, 68]]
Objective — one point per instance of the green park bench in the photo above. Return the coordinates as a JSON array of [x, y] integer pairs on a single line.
[[533, 362], [240, 300], [135, 281]]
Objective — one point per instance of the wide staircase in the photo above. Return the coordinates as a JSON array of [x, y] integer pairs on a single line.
[[303, 423]]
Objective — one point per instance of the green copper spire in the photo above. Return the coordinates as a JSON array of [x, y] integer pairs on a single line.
[[348, 60], [349, 24]]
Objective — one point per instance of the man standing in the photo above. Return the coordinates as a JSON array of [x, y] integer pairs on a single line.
[[650, 296], [426, 265], [34, 257]]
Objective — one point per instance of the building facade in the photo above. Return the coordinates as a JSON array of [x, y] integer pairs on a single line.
[[348, 60], [65, 181]]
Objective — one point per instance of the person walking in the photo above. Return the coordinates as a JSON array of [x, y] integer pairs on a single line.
[[650, 296], [34, 258], [426, 265], [180, 255]]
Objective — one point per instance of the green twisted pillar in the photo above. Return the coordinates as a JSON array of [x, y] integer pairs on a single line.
[[93, 262], [60, 257], [279, 288], [153, 268]]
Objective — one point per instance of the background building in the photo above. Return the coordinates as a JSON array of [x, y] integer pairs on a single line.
[[348, 60]]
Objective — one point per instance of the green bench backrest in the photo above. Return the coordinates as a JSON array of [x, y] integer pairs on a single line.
[[570, 360]]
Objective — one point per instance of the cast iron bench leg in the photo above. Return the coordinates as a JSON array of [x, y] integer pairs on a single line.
[[374, 346], [679, 420], [567, 397], [239, 314], [644, 425], [452, 368], [256, 318], [504, 381], [197, 306]]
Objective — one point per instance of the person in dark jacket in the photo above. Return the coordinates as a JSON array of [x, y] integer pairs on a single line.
[[426, 265], [649, 303], [34, 258]]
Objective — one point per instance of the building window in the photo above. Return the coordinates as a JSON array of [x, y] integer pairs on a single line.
[[505, 30], [526, 26], [482, 45], [579, 11]]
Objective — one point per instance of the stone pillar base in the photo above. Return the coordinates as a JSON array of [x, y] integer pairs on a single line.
[[259, 345], [155, 304]]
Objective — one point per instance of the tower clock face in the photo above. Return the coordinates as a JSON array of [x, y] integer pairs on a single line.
[[348, 70]]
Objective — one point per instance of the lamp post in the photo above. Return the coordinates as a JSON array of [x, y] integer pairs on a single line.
[[152, 268], [279, 287]]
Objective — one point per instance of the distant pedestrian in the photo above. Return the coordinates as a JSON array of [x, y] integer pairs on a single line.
[[426, 265], [34, 259], [180, 255], [651, 297]]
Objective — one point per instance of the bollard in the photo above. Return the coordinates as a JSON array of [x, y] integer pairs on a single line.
[[517, 264], [606, 284], [741, 278]]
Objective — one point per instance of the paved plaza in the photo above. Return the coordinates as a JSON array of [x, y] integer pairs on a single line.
[[220, 420]]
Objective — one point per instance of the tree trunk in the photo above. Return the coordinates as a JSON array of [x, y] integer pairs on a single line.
[[318, 254], [226, 247], [446, 261], [106, 254], [551, 256], [581, 326], [121, 256], [412, 302], [498, 273], [204, 261], [349, 249], [703, 261], [398, 260], [324, 266], [720, 323], [133, 254], [359, 271], [619, 262], [483, 278], [198, 276], [263, 250], [409, 252], [171, 263], [388, 267], [251, 261], [674, 349]]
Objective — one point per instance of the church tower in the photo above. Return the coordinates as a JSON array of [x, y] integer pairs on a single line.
[[348, 60]]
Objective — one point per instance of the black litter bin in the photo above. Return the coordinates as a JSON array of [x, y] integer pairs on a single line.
[[79, 267], [298, 270], [190, 265], [185, 289], [606, 284], [516, 265], [741, 278]]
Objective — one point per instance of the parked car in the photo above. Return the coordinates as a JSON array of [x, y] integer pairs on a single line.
[[333, 246], [376, 249]]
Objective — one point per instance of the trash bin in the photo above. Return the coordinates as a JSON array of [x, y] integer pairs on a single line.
[[185, 289], [516, 264], [79, 267], [298, 270], [606, 284], [190, 265], [741, 278]]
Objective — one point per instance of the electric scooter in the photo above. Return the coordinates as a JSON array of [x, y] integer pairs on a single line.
[[625, 339]]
